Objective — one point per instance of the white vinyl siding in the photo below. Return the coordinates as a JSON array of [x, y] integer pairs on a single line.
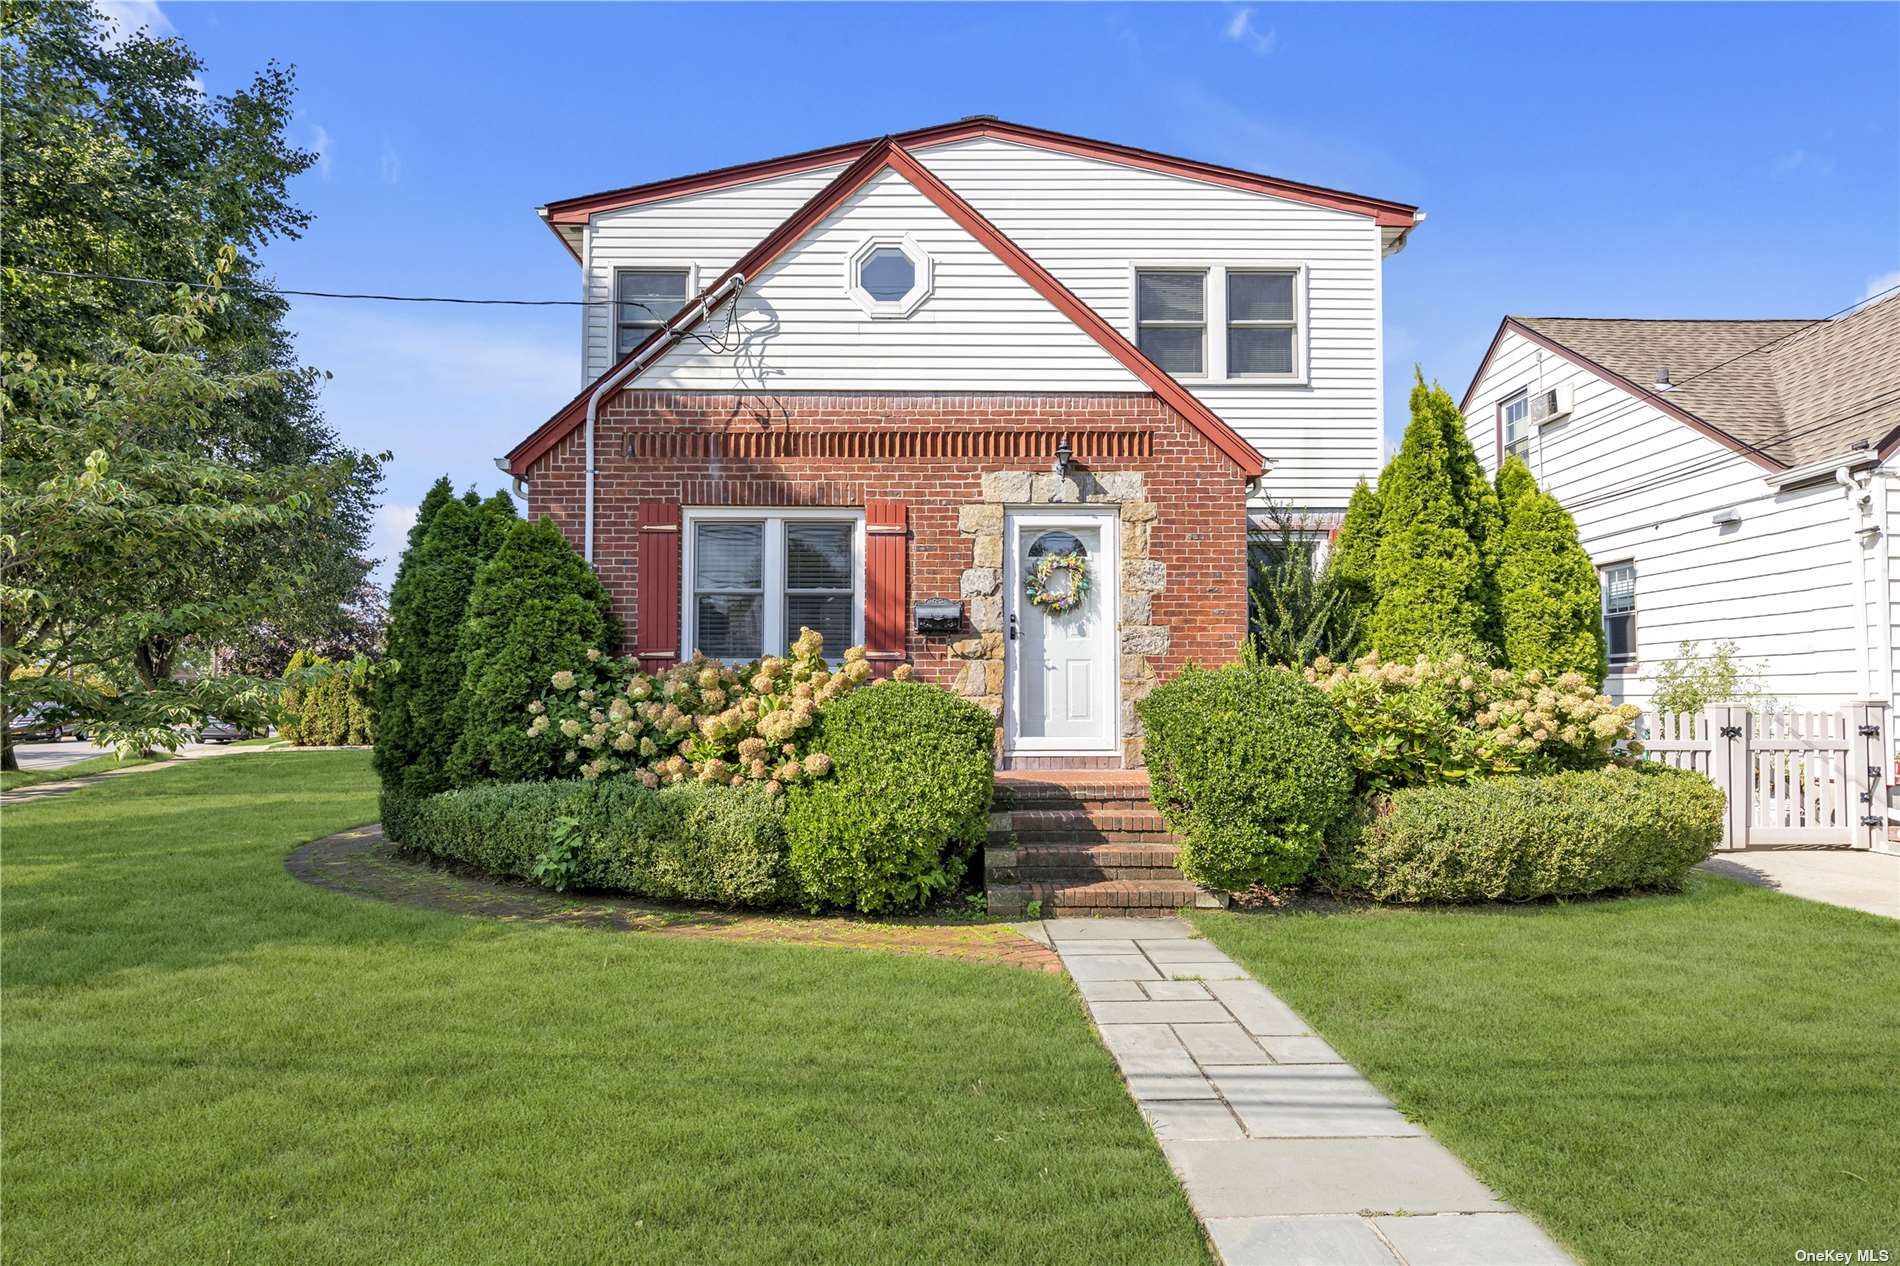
[[1089, 222], [983, 328], [709, 231], [1643, 488]]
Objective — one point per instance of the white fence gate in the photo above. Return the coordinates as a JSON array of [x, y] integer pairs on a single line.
[[1793, 779]]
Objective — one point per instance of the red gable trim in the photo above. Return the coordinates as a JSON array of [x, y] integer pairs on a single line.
[[888, 153], [1386, 213], [1658, 401]]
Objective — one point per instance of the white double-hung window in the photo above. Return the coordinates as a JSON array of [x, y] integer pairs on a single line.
[[754, 577], [1222, 323]]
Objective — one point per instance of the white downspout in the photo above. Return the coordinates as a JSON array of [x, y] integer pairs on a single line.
[[670, 332]]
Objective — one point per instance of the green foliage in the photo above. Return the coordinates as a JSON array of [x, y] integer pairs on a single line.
[[690, 842], [327, 705], [1248, 765], [132, 531], [1437, 524], [289, 707], [1548, 597], [1517, 839], [1297, 614], [1353, 563], [1452, 720], [909, 798], [1692, 681], [536, 607], [118, 161], [416, 704]]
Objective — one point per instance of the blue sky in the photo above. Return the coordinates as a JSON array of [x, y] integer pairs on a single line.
[[1592, 160]]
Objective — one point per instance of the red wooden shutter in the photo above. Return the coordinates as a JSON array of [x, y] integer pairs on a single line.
[[886, 549], [657, 613]]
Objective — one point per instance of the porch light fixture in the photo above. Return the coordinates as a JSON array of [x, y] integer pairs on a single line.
[[1064, 455]]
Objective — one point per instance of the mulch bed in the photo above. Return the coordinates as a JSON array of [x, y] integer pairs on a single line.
[[365, 864]]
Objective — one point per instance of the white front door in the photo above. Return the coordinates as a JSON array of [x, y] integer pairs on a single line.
[[1060, 665]]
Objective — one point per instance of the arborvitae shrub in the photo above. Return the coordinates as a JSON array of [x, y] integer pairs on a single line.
[[1433, 593], [417, 716], [536, 608], [290, 702], [1548, 600], [1354, 561]]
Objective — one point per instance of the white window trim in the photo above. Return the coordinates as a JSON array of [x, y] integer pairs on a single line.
[[1214, 309], [1635, 613], [613, 294], [774, 631], [889, 309], [1527, 438]]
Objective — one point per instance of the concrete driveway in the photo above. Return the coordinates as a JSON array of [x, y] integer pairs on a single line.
[[1853, 878]]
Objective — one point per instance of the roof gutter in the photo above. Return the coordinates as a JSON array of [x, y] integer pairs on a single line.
[[1405, 235], [1821, 471], [663, 339]]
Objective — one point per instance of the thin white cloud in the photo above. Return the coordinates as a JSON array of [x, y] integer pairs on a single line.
[[1881, 284], [1802, 161], [445, 391], [125, 18], [391, 535], [391, 163], [325, 146], [1241, 30]]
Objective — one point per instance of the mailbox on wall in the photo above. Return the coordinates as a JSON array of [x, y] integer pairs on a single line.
[[939, 615]]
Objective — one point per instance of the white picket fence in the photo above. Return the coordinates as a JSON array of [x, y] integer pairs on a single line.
[[1793, 779]]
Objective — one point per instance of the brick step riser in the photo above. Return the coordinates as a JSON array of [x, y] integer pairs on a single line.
[[1082, 839], [1070, 876], [1022, 820], [1139, 804]]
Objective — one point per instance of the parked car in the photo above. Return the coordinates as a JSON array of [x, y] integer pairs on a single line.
[[218, 730], [33, 723]]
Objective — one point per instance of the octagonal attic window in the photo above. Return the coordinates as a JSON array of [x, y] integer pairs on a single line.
[[888, 276]]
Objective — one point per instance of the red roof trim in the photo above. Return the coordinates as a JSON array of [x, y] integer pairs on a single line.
[[1384, 212], [888, 153], [1641, 392]]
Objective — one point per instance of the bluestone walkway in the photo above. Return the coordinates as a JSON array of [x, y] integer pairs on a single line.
[[1289, 1156]]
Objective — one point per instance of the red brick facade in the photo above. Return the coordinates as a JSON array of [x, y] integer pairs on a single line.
[[930, 453]]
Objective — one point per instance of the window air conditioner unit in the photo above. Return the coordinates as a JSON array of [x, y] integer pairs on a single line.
[[1551, 404]]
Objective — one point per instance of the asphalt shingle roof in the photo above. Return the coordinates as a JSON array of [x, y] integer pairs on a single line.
[[1813, 390]]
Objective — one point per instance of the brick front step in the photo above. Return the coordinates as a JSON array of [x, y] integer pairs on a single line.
[[1082, 841], [1080, 863], [1154, 897]]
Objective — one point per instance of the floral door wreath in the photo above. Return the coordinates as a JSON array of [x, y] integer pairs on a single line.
[[1057, 601]]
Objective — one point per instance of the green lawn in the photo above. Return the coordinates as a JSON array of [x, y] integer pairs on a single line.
[[13, 779], [208, 1061], [1712, 1077]]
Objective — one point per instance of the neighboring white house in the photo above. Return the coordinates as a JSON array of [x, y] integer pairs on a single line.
[[1732, 481]]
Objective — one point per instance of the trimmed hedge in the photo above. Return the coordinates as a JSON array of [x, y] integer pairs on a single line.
[[690, 842], [1517, 839], [1248, 766], [908, 801]]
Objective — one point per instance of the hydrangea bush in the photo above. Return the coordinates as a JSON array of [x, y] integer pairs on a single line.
[[1456, 719], [703, 720]]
